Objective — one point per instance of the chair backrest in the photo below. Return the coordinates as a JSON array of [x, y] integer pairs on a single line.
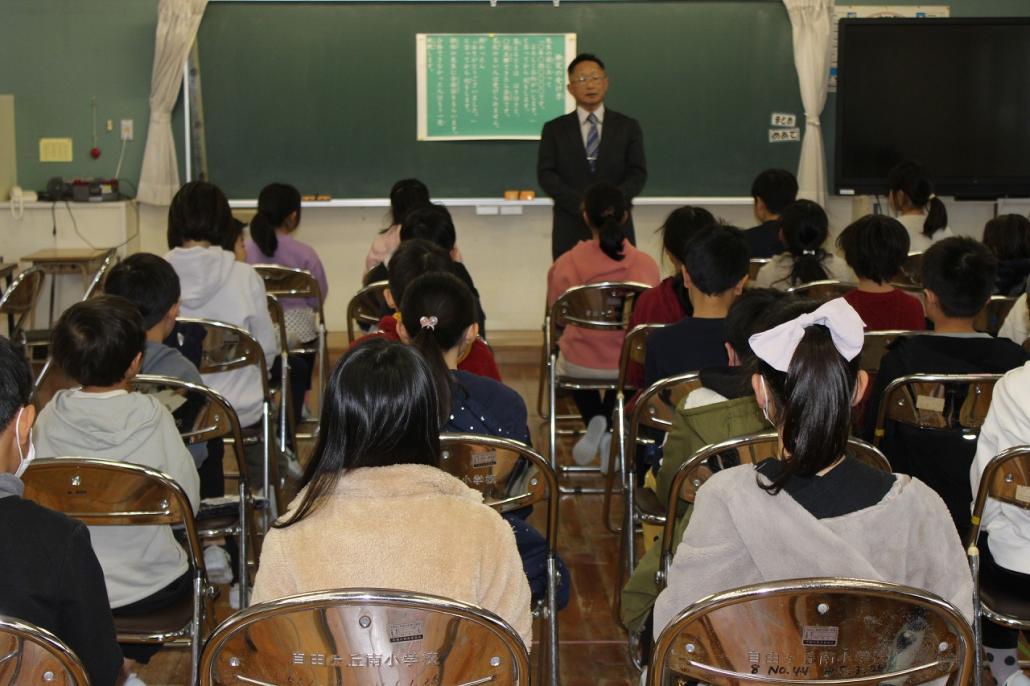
[[992, 316], [827, 289], [656, 406], [937, 401], [756, 265], [752, 449], [227, 347], [605, 306], [1006, 478], [289, 282], [32, 655], [106, 493], [822, 631], [875, 345], [366, 307], [911, 273], [634, 348], [96, 284], [19, 300], [362, 637]]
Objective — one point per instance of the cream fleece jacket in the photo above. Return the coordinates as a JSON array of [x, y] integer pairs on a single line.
[[406, 527], [740, 535]]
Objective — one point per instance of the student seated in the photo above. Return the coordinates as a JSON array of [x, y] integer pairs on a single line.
[[876, 247], [216, 286], [99, 343], [50, 576], [588, 353], [804, 228], [958, 277], [442, 311], [715, 270], [413, 259], [375, 510], [772, 191], [405, 196], [818, 511], [723, 408], [1005, 529], [911, 196], [1008, 238]]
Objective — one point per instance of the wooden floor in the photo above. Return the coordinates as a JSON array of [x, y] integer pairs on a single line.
[[593, 648]]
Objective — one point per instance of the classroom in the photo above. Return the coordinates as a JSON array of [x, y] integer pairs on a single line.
[[138, 134]]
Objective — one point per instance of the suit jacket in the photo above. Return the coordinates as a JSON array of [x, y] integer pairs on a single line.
[[564, 174]]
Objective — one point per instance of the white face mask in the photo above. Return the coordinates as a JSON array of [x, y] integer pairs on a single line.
[[25, 459]]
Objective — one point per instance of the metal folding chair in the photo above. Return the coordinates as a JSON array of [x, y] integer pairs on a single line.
[[226, 348], [287, 429], [603, 306], [287, 282], [366, 307], [823, 632], [875, 346], [756, 266], [512, 476], [364, 637], [911, 274], [96, 284], [1006, 479], [634, 348], [107, 493], [32, 655], [827, 289], [992, 316], [215, 419], [19, 304]]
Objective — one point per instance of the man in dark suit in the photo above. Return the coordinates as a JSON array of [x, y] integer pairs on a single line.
[[588, 146]]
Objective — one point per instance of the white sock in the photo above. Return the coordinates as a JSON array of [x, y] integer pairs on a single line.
[[1003, 663]]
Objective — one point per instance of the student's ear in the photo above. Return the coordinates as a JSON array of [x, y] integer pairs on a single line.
[[586, 219], [687, 283], [388, 297], [732, 358], [861, 383], [739, 288], [25, 422], [760, 209], [402, 333], [173, 312], [756, 385], [625, 217], [134, 367], [931, 303], [471, 333], [293, 220]]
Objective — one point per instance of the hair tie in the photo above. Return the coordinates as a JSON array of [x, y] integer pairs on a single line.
[[428, 323], [777, 345], [808, 252]]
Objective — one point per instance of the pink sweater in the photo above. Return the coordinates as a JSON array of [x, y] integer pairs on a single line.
[[584, 264]]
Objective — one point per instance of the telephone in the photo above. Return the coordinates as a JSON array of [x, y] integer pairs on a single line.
[[18, 199]]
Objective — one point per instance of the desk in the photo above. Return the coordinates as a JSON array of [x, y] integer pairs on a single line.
[[56, 261]]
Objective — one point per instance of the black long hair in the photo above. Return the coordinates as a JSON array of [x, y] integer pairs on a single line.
[[1008, 237], [812, 399], [911, 179], [444, 297], [606, 206], [682, 224], [199, 212], [805, 227], [405, 196], [380, 408], [276, 202]]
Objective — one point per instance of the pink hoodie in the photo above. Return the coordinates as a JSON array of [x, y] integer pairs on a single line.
[[584, 264]]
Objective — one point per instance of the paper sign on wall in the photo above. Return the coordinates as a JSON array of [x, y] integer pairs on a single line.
[[784, 135]]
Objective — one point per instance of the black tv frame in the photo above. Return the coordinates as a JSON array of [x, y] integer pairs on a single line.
[[986, 188]]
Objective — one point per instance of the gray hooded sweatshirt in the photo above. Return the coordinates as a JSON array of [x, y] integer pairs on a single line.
[[137, 561]]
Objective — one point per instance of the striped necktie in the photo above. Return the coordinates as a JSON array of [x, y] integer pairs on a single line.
[[593, 142]]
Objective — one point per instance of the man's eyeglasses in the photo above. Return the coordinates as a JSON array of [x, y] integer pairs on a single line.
[[593, 78]]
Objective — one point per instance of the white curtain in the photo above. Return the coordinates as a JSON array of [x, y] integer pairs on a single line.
[[812, 23], [177, 23]]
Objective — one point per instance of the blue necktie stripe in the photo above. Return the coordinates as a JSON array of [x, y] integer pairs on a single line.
[[593, 142]]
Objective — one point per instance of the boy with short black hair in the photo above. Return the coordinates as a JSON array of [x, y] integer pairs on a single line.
[[772, 191], [714, 273], [958, 277], [99, 343], [876, 247]]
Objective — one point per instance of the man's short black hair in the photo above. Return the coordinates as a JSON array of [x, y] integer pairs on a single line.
[[15, 382], [585, 57], [96, 340], [717, 259], [745, 317], [875, 247], [148, 282], [777, 188], [960, 271]]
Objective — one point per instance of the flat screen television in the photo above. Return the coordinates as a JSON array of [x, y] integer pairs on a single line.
[[953, 94]]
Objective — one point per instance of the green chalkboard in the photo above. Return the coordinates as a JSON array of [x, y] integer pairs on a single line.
[[491, 86], [324, 95]]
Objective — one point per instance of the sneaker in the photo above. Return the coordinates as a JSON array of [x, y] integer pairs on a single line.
[[234, 596], [1018, 678], [218, 565], [605, 451], [133, 680], [294, 469], [585, 450]]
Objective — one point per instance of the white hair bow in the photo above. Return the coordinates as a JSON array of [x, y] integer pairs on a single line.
[[777, 345]]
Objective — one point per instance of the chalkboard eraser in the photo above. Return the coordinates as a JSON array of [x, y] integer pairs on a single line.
[[324, 198], [511, 195], [308, 198], [527, 195]]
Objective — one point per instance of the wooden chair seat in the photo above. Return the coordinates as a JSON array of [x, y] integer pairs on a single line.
[[173, 620]]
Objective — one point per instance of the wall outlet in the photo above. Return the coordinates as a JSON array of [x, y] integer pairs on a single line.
[[127, 130]]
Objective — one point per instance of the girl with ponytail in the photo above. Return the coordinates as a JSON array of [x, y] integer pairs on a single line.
[[586, 353], [815, 511], [804, 228], [911, 196], [438, 318]]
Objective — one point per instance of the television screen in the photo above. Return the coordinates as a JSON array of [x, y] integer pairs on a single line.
[[953, 94]]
